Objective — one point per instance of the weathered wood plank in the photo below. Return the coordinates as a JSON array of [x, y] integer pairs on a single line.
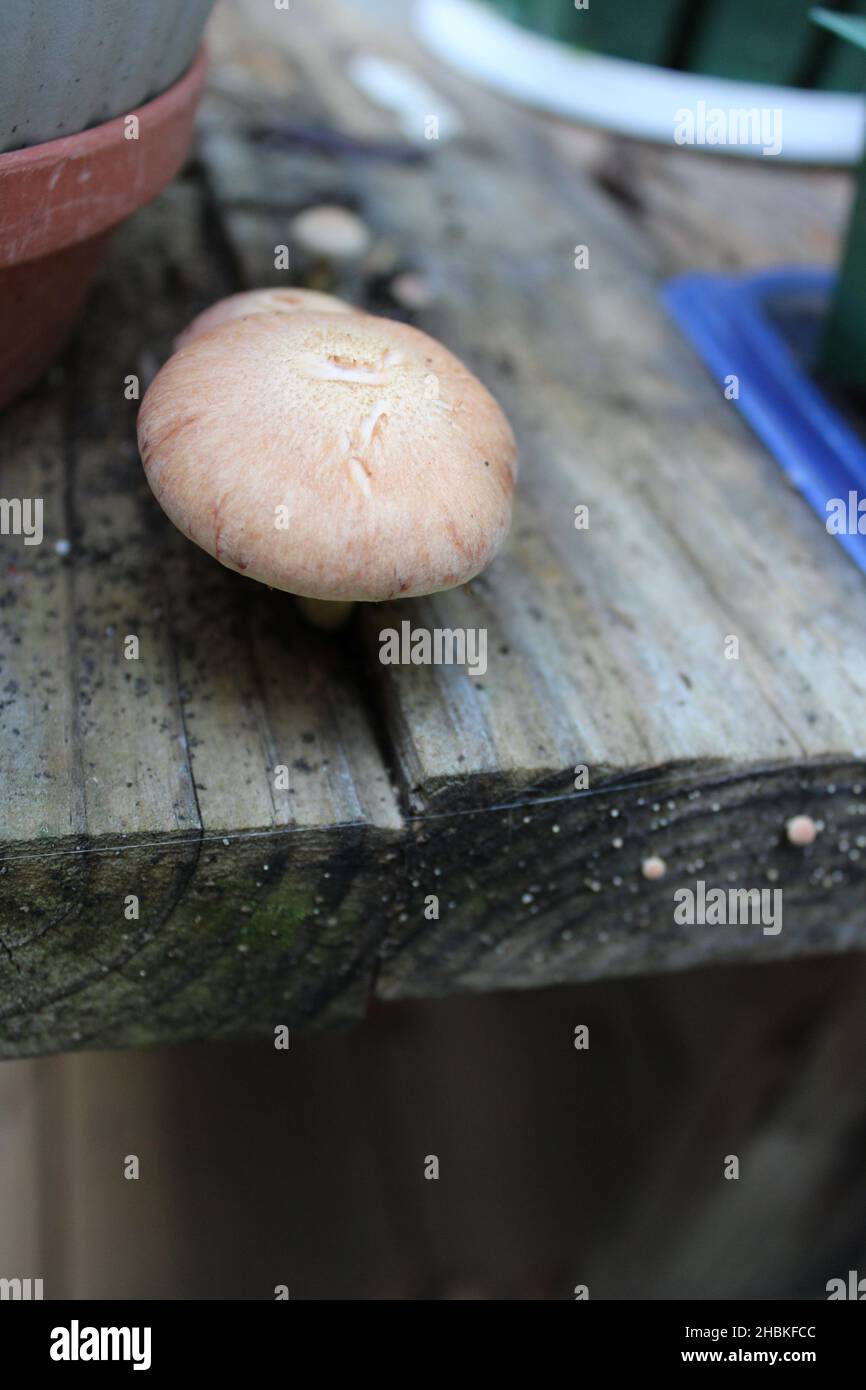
[[634, 610], [148, 763], [696, 211], [42, 790], [606, 646]]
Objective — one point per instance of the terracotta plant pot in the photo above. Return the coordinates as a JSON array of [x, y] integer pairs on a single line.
[[58, 204]]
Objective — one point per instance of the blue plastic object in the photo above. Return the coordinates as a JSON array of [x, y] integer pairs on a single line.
[[764, 330]]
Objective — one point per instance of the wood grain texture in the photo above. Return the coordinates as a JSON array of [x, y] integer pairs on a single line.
[[606, 646]]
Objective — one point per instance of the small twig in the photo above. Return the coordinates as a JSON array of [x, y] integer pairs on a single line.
[[336, 142]]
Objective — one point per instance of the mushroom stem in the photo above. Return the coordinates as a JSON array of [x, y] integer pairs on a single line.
[[327, 614]]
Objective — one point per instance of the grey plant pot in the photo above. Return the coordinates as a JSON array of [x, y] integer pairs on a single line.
[[66, 65]]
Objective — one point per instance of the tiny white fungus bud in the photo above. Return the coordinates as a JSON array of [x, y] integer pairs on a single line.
[[801, 831], [654, 867], [331, 231]]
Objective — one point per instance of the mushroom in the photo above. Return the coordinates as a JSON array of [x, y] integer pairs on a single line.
[[338, 457], [331, 232], [653, 868], [412, 289], [237, 306], [801, 831]]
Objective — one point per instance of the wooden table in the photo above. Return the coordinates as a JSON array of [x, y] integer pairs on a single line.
[[154, 779]]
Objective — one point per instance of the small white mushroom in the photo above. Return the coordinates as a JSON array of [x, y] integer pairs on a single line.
[[330, 231], [653, 867], [412, 289], [801, 831]]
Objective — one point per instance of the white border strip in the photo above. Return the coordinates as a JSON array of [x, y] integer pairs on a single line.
[[633, 98]]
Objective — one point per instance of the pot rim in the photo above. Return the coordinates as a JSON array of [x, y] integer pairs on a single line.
[[67, 190]]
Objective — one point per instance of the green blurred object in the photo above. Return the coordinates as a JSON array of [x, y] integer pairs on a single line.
[[763, 41], [631, 31], [750, 40], [843, 350]]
